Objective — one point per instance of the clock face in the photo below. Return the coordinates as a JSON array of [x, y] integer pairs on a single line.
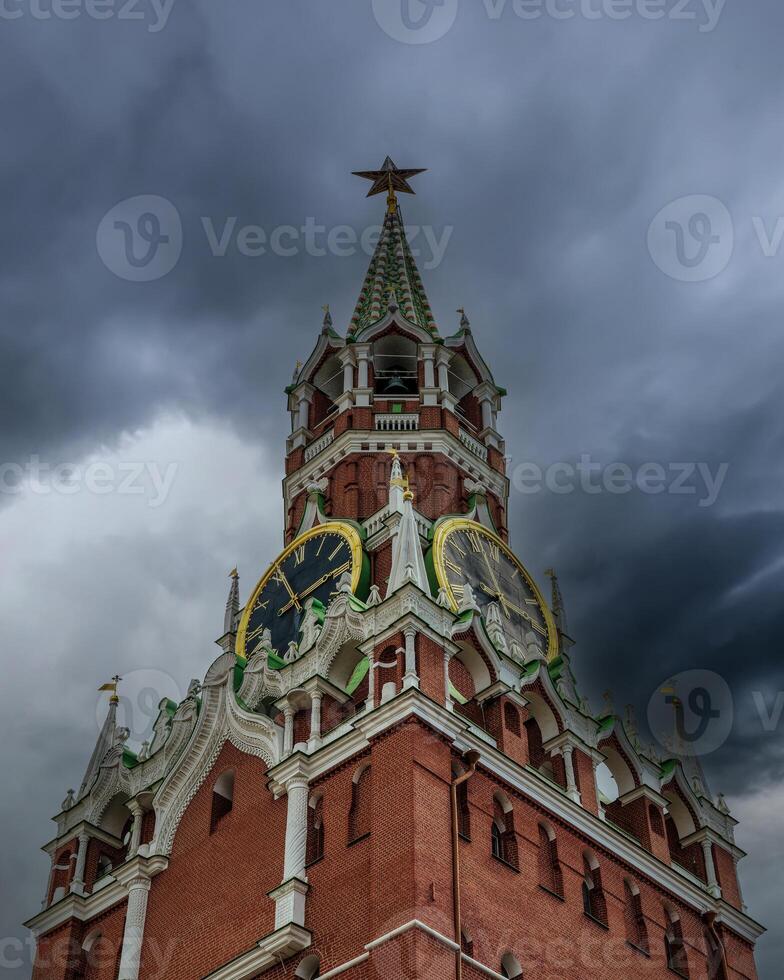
[[464, 551], [309, 568]]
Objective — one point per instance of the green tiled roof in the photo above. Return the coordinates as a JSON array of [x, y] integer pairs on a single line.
[[392, 272]]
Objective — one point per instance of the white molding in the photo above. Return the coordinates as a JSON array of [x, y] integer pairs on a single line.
[[345, 966], [407, 927], [271, 950]]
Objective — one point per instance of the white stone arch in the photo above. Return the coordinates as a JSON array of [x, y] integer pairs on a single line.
[[329, 377], [462, 377], [91, 939], [344, 663], [681, 814], [395, 354], [543, 714], [114, 815], [476, 666]]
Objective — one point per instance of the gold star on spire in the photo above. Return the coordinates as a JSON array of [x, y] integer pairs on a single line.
[[389, 179]]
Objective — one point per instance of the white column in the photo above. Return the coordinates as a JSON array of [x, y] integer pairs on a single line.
[[136, 829], [296, 828], [138, 891], [302, 421], [443, 373], [288, 729], [348, 376], [371, 694], [430, 377], [571, 783], [710, 868], [487, 414], [410, 678], [363, 368], [77, 885], [447, 696], [315, 720]]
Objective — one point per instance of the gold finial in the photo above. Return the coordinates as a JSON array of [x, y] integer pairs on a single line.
[[408, 494], [393, 452], [112, 686], [234, 573]]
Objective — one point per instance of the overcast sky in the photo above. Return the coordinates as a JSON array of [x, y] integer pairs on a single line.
[[604, 199]]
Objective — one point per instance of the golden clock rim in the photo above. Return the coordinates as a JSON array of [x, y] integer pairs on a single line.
[[461, 524], [333, 527]]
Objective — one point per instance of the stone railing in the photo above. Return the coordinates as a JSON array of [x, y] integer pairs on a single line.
[[321, 443], [397, 422], [473, 445]]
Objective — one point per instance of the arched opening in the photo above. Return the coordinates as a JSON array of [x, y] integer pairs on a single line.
[[308, 968], [315, 842], [395, 366], [606, 786], [634, 920], [466, 942], [222, 798], [503, 837], [674, 946], [116, 816], [550, 875], [328, 382], [103, 868], [510, 966], [361, 799], [679, 823], [594, 902]]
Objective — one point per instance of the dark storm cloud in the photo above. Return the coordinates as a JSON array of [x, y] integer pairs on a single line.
[[551, 146]]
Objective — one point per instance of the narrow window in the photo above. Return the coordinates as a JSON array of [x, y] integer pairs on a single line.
[[636, 929], [594, 903], [510, 967], [503, 839], [463, 813], [466, 942], [550, 876], [222, 798], [674, 946], [308, 969], [359, 814], [315, 845]]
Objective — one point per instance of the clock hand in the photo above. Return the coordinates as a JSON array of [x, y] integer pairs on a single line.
[[285, 583], [314, 585], [527, 617]]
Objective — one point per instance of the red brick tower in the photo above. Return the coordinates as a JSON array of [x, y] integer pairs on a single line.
[[388, 772]]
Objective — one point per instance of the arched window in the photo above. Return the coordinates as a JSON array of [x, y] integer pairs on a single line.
[[715, 956], [550, 876], [636, 929], [536, 755], [511, 718], [503, 838], [674, 946], [315, 846], [510, 966], [655, 818], [222, 798], [104, 867], [359, 814], [594, 902], [308, 969]]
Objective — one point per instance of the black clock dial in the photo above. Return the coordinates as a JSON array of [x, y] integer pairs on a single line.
[[469, 553], [310, 568]]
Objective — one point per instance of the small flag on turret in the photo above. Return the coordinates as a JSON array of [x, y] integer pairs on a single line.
[[108, 687]]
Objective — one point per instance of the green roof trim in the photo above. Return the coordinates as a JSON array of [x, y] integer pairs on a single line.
[[358, 675]]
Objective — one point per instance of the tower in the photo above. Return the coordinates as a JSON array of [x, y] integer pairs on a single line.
[[388, 770]]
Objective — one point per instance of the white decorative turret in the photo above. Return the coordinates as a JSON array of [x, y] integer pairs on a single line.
[[408, 562], [106, 739], [397, 485], [232, 614]]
